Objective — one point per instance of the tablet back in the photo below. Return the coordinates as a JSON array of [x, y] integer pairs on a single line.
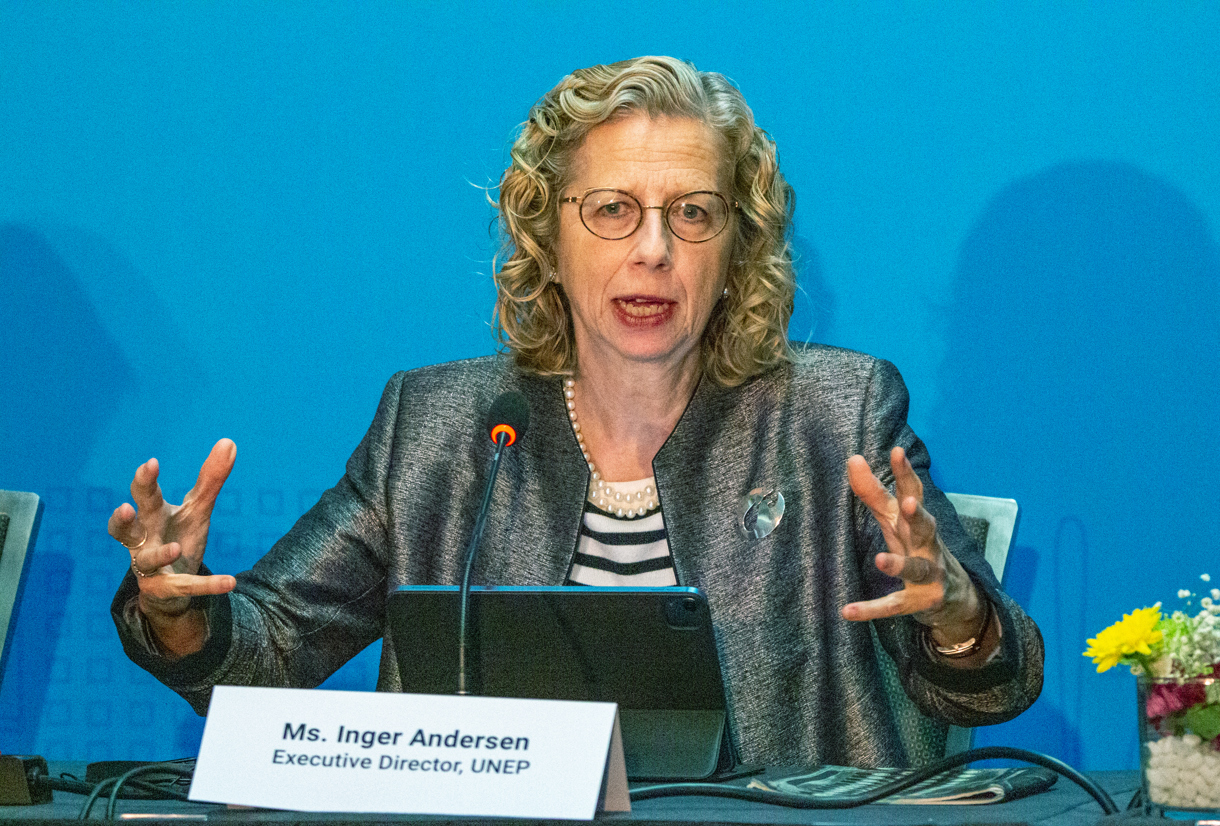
[[651, 650]]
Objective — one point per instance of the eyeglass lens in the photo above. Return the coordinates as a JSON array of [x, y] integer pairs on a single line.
[[613, 214]]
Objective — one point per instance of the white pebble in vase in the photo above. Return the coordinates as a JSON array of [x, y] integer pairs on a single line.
[[1183, 772]]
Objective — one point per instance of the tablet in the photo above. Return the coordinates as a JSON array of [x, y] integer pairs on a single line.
[[650, 650]]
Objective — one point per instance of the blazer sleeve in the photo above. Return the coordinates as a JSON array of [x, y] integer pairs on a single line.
[[315, 600], [1011, 682]]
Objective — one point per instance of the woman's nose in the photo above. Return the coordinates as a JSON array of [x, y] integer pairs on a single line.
[[654, 241]]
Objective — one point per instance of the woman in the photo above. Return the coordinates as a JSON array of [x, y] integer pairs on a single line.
[[645, 296]]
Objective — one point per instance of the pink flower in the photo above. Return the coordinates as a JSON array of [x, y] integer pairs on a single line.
[[1161, 703], [1170, 698]]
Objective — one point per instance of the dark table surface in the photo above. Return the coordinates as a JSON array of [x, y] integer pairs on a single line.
[[1065, 804]]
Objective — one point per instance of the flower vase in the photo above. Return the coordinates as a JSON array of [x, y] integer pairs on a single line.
[[1179, 724]]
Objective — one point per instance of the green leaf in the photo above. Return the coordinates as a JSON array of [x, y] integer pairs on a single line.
[[1204, 721]]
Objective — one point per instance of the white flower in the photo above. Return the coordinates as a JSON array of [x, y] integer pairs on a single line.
[[1161, 666], [1205, 577], [1191, 642]]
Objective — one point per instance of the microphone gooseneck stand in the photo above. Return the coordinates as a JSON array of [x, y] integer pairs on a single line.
[[464, 598], [507, 420]]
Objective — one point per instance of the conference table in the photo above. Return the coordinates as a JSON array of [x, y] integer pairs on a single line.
[[1065, 804]]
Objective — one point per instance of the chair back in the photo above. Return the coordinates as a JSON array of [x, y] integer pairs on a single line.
[[20, 514], [992, 523]]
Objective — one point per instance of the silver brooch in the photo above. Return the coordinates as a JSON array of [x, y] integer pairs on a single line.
[[760, 513]]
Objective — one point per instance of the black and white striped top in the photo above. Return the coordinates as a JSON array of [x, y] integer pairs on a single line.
[[615, 551]]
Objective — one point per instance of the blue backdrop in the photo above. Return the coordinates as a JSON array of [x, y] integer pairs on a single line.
[[238, 219]]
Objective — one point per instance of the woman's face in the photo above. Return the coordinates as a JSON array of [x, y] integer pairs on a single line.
[[645, 298]]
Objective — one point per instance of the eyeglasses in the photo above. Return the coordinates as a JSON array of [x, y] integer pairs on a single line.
[[614, 214]]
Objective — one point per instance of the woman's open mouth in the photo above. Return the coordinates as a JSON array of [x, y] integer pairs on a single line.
[[643, 310]]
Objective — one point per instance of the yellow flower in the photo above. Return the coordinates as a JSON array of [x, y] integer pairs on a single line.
[[1133, 634]]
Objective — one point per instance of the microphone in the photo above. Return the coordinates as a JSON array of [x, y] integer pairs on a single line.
[[510, 415], [506, 423]]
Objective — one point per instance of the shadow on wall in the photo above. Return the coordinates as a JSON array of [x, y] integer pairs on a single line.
[[61, 366], [1083, 379], [64, 377], [68, 301]]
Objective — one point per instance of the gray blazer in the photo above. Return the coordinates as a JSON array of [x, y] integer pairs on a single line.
[[803, 684]]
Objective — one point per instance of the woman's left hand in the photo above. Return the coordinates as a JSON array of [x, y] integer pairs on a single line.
[[936, 590]]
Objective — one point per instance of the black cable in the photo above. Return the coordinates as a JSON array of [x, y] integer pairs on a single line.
[[40, 782], [66, 784], [87, 806], [151, 790], [138, 790], [1038, 759], [1137, 800], [167, 768], [796, 801]]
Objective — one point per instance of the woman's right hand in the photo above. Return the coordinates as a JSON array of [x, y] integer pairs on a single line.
[[166, 543]]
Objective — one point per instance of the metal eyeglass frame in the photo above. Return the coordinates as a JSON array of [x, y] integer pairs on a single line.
[[579, 200]]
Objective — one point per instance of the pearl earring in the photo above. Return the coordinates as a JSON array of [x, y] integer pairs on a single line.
[[725, 294]]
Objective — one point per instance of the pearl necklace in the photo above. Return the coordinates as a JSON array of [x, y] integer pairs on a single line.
[[602, 493]]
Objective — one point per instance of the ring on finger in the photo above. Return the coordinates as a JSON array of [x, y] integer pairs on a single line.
[[139, 544], [135, 569]]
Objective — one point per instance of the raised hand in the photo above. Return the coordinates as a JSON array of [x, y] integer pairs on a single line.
[[166, 543], [936, 590]]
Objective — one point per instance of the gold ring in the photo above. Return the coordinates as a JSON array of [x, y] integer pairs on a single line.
[[139, 544]]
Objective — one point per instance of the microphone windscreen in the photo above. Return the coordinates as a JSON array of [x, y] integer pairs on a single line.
[[510, 414]]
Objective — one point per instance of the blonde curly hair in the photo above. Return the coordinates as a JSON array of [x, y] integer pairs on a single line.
[[747, 332]]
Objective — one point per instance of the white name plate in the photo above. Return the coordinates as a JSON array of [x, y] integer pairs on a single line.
[[351, 751]]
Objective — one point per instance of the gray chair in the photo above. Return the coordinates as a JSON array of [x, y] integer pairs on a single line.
[[992, 523], [20, 514]]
